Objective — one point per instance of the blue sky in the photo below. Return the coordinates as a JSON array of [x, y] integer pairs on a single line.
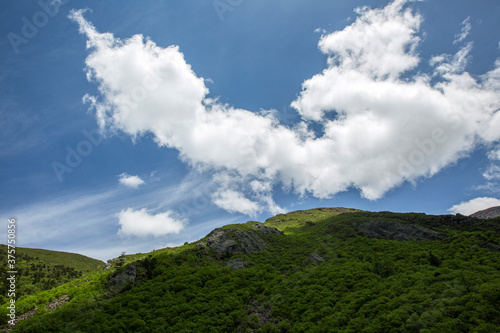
[[132, 127]]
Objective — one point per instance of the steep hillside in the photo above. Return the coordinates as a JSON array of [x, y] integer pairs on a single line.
[[321, 270], [39, 269]]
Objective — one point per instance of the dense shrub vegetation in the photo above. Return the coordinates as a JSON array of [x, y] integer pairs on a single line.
[[42, 270], [320, 276]]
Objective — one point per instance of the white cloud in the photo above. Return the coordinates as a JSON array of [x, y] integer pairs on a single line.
[[474, 205], [130, 181], [233, 201], [494, 154], [389, 127], [142, 223], [466, 28], [493, 172]]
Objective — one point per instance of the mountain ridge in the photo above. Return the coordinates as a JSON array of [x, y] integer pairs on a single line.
[[304, 271]]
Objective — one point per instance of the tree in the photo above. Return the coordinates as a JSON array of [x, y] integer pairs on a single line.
[[121, 259]]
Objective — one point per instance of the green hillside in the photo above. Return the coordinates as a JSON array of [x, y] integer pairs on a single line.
[[321, 270], [39, 269]]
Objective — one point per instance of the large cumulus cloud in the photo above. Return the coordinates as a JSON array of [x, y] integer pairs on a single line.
[[382, 123]]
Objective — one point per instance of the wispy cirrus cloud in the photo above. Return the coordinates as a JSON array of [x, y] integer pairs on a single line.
[[466, 28], [381, 124], [95, 217]]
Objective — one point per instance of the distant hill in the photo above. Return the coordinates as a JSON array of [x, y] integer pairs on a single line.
[[488, 213], [317, 270], [39, 269]]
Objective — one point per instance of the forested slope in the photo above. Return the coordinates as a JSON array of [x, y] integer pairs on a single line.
[[321, 270]]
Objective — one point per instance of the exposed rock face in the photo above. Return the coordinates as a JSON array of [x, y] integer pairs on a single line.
[[24, 316], [237, 263], [264, 229], [489, 213], [50, 307], [201, 246], [315, 258], [219, 241], [398, 231], [249, 241], [231, 241], [121, 279], [57, 303]]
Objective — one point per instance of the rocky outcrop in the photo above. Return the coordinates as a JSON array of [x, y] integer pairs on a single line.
[[237, 263], [315, 258], [249, 241], [221, 242], [265, 230], [50, 307], [123, 278], [57, 303], [231, 241], [489, 213], [24, 316], [398, 231]]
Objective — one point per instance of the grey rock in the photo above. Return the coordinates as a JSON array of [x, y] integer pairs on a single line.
[[231, 241], [237, 263], [316, 258], [264, 229], [57, 303], [123, 278], [249, 242], [398, 231], [219, 241]]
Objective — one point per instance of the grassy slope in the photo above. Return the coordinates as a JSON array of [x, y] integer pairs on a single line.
[[74, 260], [364, 284], [43, 269], [293, 221]]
